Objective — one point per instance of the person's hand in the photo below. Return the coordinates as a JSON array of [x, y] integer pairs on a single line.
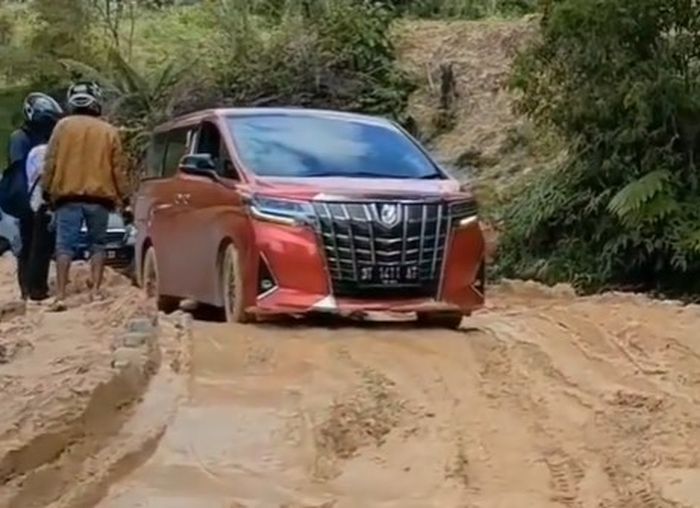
[[46, 198], [127, 215]]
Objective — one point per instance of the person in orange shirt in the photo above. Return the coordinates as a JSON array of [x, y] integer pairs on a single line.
[[84, 180]]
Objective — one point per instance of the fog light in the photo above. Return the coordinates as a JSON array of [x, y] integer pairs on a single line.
[[266, 281]]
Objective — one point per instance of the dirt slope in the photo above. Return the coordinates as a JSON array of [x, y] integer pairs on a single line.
[[70, 382], [542, 400], [486, 134]]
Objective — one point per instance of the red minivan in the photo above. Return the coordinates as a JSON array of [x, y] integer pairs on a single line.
[[294, 211]]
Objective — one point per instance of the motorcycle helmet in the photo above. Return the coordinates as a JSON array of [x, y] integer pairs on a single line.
[[86, 96], [39, 105]]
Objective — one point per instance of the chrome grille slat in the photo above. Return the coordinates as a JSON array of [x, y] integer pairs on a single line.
[[335, 244], [351, 240], [424, 212], [368, 216], [404, 236], [438, 224]]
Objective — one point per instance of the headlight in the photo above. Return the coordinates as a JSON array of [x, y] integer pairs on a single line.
[[130, 236], [281, 211], [464, 213]]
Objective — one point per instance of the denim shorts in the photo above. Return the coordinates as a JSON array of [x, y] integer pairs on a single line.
[[69, 220]]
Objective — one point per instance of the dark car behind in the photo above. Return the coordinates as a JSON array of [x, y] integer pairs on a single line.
[[119, 253]]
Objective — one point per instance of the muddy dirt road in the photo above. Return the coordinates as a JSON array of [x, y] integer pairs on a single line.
[[541, 400]]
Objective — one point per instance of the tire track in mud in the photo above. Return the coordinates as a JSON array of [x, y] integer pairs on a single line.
[[636, 415], [547, 400], [473, 440]]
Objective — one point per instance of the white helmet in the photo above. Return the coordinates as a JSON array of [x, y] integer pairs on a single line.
[[85, 95]]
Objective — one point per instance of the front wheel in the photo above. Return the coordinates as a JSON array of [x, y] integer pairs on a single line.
[[231, 276], [448, 320], [150, 284]]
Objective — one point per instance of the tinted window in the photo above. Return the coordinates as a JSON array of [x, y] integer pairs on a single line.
[[175, 150], [312, 146], [210, 141], [156, 153]]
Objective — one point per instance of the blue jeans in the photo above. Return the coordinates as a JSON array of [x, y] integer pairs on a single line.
[[69, 221]]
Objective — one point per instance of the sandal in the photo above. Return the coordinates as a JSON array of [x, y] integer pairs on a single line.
[[97, 296], [57, 306]]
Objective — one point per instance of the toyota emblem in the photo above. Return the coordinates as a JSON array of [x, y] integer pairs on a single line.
[[389, 215]]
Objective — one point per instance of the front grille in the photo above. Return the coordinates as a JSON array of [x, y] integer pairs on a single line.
[[358, 235]]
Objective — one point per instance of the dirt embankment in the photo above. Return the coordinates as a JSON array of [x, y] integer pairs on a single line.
[[69, 384], [542, 400], [483, 133]]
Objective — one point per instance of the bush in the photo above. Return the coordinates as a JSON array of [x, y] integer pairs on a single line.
[[619, 80], [467, 9], [335, 54]]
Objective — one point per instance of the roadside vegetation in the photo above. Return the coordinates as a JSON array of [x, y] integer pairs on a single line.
[[159, 58], [619, 82], [597, 184]]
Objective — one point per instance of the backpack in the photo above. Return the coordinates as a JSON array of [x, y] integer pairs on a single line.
[[14, 195]]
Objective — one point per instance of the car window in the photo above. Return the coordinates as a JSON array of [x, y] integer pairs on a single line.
[[176, 148], [302, 145], [115, 221], [156, 154], [211, 142]]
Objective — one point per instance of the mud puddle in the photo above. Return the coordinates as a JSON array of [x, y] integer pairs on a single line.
[[544, 400]]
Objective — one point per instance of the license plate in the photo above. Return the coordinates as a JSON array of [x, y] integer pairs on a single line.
[[389, 275], [110, 254]]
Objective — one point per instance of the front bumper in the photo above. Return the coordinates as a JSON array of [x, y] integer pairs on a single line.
[[296, 262]]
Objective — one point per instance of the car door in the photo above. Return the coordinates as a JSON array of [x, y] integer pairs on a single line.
[[214, 212], [160, 207]]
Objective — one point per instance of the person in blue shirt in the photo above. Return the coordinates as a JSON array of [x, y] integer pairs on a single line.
[[41, 112]]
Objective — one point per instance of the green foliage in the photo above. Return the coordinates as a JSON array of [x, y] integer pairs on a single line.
[[465, 9], [334, 54], [164, 58], [10, 117], [619, 80]]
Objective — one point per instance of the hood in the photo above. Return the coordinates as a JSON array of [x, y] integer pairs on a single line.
[[315, 188]]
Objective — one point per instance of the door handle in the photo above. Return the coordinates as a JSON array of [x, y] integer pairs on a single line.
[[182, 199]]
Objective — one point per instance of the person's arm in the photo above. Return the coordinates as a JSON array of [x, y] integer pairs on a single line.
[[118, 169], [50, 160], [18, 149]]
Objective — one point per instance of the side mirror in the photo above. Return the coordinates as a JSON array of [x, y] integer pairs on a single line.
[[198, 164]]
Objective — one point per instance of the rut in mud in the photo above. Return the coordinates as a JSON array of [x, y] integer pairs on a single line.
[[542, 400]]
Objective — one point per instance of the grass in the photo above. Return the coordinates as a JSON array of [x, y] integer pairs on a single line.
[[10, 118]]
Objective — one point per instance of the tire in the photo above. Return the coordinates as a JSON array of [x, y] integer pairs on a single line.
[[447, 320], [150, 284], [231, 284]]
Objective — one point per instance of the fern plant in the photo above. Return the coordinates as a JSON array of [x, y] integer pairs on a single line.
[[619, 80]]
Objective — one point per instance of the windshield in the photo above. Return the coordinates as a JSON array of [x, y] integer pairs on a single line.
[[287, 145]]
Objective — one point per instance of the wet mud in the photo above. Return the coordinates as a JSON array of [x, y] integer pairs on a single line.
[[543, 399]]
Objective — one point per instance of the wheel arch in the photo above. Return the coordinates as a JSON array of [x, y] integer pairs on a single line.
[[145, 245], [220, 251]]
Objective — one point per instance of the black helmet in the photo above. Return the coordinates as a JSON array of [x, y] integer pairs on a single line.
[[39, 105], [85, 95]]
